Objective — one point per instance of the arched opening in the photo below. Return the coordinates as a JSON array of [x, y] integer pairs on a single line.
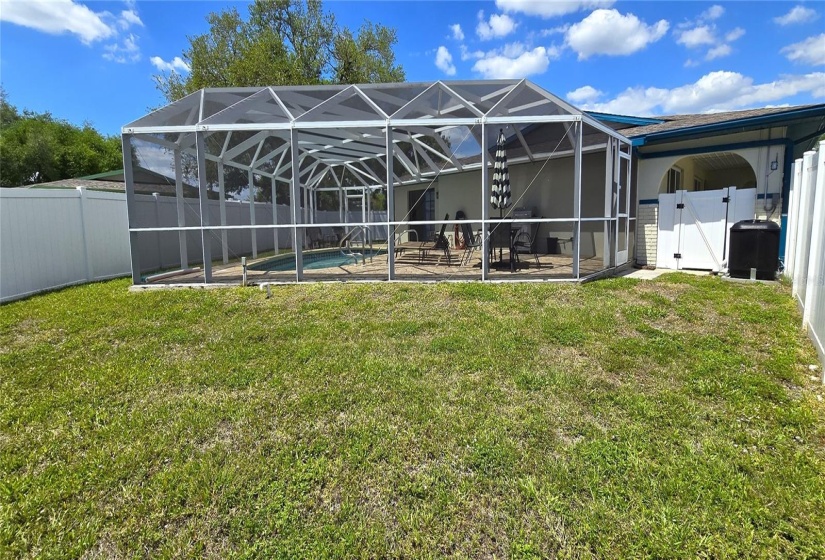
[[705, 172]]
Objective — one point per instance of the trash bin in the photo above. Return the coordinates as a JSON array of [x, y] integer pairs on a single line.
[[553, 246], [754, 244]]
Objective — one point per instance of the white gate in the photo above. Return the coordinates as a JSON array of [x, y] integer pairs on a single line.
[[694, 227]]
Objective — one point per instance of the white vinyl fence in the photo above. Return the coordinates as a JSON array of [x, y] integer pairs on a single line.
[[51, 238], [805, 243]]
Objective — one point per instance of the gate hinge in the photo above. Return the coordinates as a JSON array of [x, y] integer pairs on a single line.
[[726, 199], [680, 206], [677, 255]]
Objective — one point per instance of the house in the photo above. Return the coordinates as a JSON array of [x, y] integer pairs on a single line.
[[751, 149], [584, 186]]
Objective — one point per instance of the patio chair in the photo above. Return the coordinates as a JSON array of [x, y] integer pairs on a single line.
[[315, 237], [470, 241], [329, 238], [525, 241]]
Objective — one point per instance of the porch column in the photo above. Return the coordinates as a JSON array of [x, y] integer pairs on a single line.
[[204, 207], [222, 206], [128, 176], [295, 208], [485, 205], [251, 182], [390, 149], [611, 226], [275, 211], [184, 257], [577, 198]]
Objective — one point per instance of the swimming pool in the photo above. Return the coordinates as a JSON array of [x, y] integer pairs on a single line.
[[312, 260]]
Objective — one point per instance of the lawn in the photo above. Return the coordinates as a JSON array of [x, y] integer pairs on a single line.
[[619, 418]]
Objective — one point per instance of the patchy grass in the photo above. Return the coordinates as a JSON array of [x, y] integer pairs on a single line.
[[614, 419]]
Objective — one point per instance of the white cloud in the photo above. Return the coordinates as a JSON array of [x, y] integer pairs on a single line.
[[734, 34], [713, 92], [458, 33], [176, 65], [129, 18], [514, 61], [608, 32], [123, 52], [467, 54], [499, 25], [714, 12], [549, 9], [57, 17], [698, 34], [444, 61], [718, 52], [561, 29], [696, 37], [810, 51], [798, 14], [584, 94]]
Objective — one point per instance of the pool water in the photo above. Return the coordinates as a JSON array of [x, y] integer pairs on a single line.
[[312, 261]]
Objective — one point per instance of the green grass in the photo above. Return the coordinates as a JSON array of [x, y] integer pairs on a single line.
[[614, 419]]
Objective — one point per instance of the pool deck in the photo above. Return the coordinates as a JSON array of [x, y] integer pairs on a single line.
[[408, 266]]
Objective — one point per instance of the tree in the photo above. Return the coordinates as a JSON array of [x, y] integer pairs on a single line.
[[36, 148], [283, 42]]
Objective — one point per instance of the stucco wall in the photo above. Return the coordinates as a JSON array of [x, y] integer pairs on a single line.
[[546, 187]]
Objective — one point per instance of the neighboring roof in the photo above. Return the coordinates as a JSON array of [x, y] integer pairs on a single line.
[[141, 175], [676, 126], [115, 186]]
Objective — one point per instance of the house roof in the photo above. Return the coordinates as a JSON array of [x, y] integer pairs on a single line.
[[680, 126]]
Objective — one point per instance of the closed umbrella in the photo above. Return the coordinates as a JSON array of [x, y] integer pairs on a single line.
[[500, 195]]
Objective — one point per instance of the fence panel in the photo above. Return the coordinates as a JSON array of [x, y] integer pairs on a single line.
[[806, 235], [55, 238], [50, 238]]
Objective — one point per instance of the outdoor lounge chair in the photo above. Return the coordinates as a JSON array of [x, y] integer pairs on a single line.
[[440, 243]]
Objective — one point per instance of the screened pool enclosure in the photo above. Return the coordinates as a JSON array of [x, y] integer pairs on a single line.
[[378, 182]]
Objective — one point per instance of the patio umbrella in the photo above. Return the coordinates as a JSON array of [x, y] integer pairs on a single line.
[[500, 194]]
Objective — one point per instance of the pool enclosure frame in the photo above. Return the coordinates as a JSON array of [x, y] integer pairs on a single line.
[[326, 124]]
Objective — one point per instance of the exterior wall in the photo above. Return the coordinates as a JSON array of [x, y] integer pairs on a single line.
[[647, 234], [651, 176], [546, 187]]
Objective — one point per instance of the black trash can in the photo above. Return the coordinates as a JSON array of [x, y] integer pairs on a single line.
[[754, 244]]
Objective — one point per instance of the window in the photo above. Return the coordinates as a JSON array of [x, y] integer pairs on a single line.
[[674, 180], [698, 184]]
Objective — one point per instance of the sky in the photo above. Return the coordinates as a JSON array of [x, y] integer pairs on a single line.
[[94, 61]]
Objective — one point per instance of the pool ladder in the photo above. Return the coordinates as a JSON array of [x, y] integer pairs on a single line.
[[347, 244]]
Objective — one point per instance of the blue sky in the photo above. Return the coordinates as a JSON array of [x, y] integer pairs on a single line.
[[94, 61]]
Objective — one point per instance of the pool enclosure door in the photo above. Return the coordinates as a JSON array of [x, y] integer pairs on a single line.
[[623, 223]]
